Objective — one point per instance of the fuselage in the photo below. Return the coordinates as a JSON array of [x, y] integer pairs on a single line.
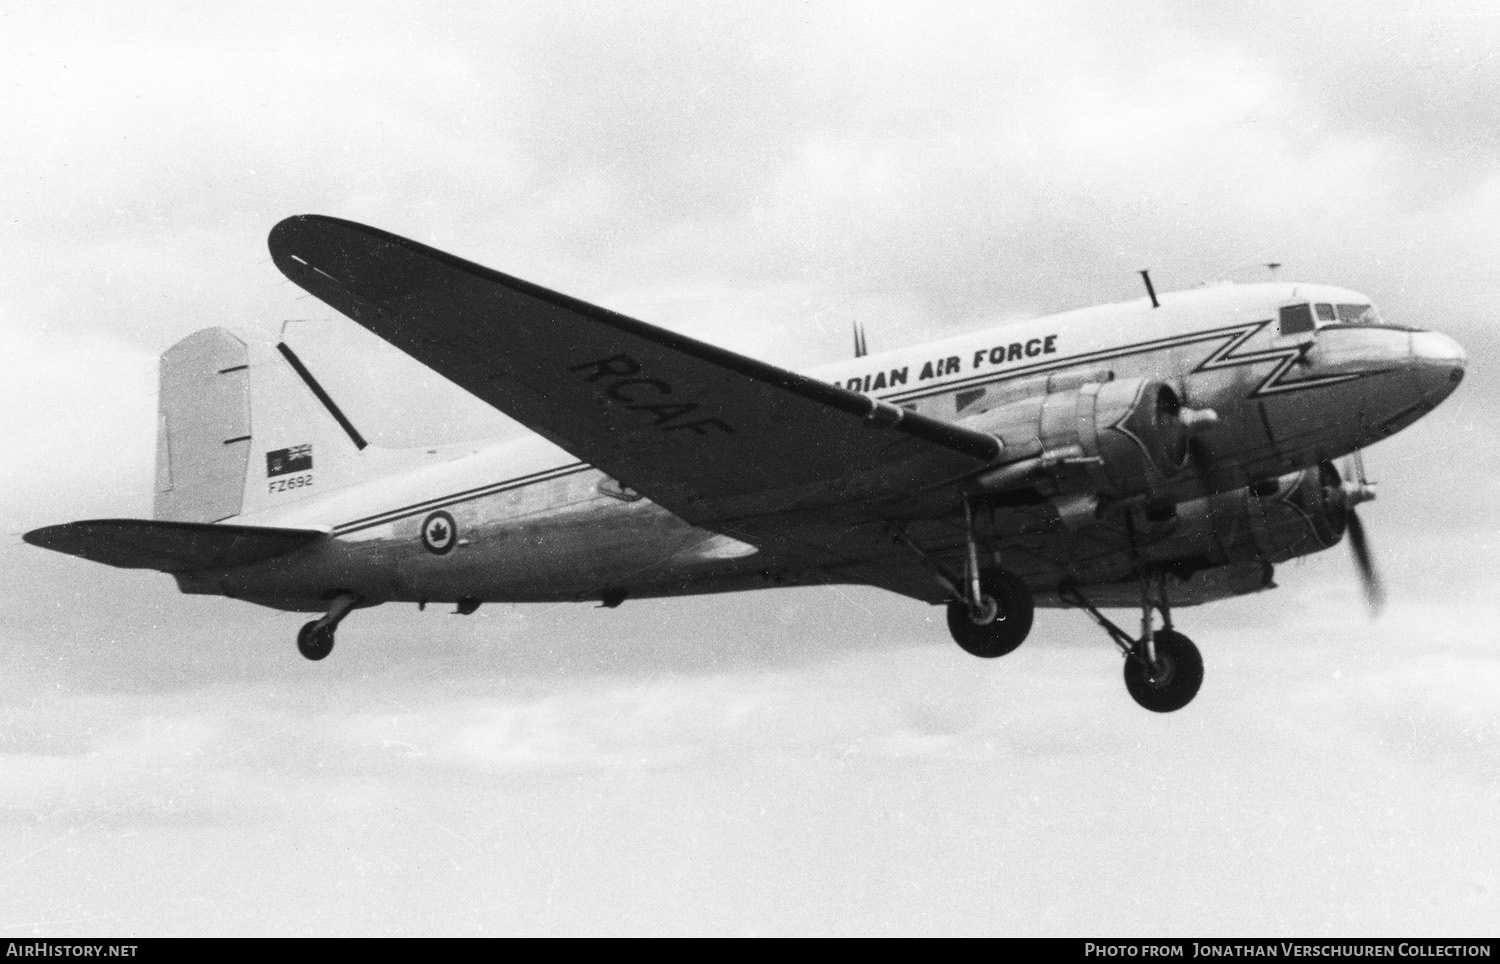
[[1297, 374]]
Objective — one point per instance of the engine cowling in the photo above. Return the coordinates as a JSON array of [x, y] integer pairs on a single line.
[[1127, 435], [1226, 543], [1295, 515], [1271, 521]]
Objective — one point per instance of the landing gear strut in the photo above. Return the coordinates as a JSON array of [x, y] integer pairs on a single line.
[[998, 621], [990, 610], [315, 639], [1163, 669]]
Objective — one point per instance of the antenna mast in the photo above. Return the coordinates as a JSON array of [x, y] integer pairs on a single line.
[[1146, 277]]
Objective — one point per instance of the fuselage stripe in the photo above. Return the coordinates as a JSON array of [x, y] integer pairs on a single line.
[[1104, 354], [494, 488], [1223, 357]]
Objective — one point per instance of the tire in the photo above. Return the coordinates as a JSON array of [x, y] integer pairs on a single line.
[[314, 643], [1012, 622], [1179, 673]]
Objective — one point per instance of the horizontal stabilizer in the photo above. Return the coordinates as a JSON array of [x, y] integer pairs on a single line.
[[169, 546]]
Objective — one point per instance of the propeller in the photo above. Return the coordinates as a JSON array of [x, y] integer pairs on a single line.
[[1368, 576], [1362, 490], [1354, 486]]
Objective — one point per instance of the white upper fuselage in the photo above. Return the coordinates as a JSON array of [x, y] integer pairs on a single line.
[[531, 522]]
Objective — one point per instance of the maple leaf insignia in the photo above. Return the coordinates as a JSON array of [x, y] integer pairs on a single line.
[[438, 533]]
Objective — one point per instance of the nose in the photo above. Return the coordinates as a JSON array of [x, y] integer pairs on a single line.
[[1437, 363]]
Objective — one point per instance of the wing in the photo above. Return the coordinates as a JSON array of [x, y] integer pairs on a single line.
[[715, 437], [169, 546]]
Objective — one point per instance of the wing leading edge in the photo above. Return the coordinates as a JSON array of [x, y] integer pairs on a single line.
[[711, 435]]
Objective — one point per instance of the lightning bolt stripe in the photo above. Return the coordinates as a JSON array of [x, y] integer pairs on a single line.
[[1231, 338], [1285, 356]]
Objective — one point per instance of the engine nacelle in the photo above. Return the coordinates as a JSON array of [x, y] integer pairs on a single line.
[[1272, 521], [1225, 544], [1296, 515], [1127, 436]]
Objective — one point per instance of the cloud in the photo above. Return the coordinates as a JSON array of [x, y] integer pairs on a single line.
[[77, 411], [870, 791]]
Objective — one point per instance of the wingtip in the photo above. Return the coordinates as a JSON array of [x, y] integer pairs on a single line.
[[290, 223], [50, 537], [287, 228], [296, 221], [291, 238], [283, 234], [313, 230], [47, 537]]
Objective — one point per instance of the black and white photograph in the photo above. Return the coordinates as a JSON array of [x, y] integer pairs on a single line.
[[545, 468]]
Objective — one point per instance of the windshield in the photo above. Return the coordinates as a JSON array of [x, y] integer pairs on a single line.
[[1356, 314], [1304, 317]]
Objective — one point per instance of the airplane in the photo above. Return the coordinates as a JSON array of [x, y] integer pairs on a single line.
[[1160, 452]]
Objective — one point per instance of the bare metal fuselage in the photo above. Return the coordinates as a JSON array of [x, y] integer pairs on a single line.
[[529, 522]]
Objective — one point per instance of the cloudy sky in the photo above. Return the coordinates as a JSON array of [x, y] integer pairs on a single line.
[[800, 761]]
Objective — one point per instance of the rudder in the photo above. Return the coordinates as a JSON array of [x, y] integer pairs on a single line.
[[203, 428]]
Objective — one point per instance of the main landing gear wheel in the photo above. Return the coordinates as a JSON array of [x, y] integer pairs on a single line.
[[1002, 621], [314, 641], [1172, 680]]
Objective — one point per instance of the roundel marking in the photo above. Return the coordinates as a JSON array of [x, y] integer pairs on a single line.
[[439, 533]]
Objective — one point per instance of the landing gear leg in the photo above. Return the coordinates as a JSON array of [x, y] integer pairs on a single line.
[[315, 639], [1163, 669], [1000, 623], [991, 610], [983, 608]]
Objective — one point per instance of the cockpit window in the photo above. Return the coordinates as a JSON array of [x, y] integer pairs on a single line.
[[1296, 319], [1301, 319]]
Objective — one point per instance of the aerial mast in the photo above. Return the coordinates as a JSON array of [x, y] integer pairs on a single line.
[[1146, 277]]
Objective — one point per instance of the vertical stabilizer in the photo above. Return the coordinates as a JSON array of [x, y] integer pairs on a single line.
[[245, 427], [203, 428], [304, 444]]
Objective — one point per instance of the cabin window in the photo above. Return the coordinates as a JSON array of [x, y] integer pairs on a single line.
[[1296, 319], [1325, 312]]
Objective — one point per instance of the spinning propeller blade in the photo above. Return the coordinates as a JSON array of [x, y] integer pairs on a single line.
[[1360, 489], [1368, 576]]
